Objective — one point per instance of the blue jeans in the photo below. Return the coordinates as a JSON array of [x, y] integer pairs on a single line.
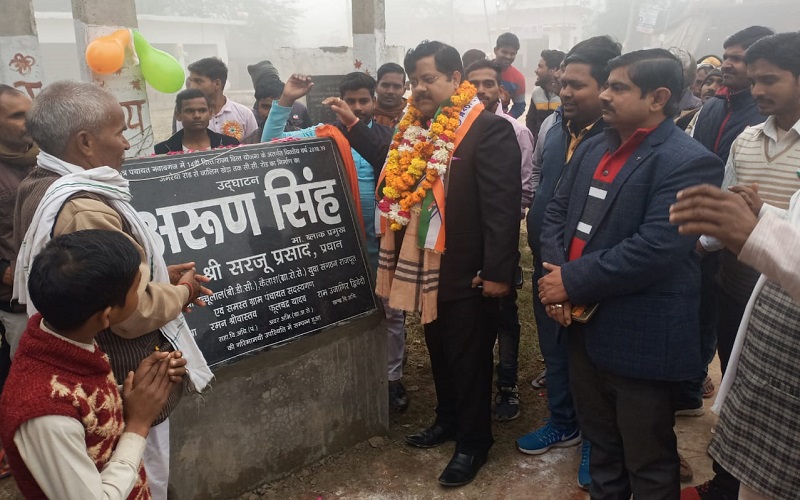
[[508, 341], [553, 344]]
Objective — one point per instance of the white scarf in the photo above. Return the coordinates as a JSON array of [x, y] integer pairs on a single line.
[[110, 184]]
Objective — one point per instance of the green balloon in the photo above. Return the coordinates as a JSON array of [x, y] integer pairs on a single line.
[[161, 70]]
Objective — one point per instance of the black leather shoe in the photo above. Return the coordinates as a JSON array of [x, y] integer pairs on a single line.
[[430, 437], [462, 469]]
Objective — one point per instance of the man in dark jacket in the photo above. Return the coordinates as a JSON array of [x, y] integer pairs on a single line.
[[582, 82], [480, 230], [722, 119], [719, 122], [606, 240], [191, 109]]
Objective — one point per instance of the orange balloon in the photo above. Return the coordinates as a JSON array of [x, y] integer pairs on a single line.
[[106, 54]]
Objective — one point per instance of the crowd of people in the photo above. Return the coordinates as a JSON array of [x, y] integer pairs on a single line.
[[660, 198]]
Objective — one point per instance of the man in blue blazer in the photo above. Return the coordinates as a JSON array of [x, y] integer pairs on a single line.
[[606, 240]]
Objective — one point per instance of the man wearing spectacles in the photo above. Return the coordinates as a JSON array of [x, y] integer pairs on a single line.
[[458, 251]]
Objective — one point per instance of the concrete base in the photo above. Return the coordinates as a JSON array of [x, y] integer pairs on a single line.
[[281, 410]]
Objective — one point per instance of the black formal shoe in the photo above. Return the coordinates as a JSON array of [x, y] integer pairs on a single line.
[[430, 437], [462, 469]]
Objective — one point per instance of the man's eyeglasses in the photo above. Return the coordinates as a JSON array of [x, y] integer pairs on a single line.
[[427, 80]]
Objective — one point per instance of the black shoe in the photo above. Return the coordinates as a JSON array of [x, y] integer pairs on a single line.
[[398, 400], [430, 437], [462, 469]]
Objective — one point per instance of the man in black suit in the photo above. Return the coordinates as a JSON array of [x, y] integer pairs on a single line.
[[476, 253], [607, 241], [191, 109]]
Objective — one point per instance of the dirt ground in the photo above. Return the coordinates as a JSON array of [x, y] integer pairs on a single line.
[[386, 468]]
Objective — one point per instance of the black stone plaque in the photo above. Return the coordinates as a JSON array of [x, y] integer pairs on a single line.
[[273, 226], [324, 86]]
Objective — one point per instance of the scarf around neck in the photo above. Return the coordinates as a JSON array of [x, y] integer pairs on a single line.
[[110, 184], [26, 159]]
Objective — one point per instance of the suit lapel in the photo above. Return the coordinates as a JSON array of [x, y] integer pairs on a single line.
[[584, 179], [637, 158]]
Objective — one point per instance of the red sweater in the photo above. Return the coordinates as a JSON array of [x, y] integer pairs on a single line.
[[52, 377]]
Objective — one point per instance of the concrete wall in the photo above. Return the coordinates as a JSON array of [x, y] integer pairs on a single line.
[[281, 410]]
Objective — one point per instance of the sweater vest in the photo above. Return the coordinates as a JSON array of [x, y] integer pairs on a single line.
[[50, 376], [777, 181]]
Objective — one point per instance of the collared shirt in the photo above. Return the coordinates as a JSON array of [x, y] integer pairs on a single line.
[[773, 147], [53, 448], [234, 120], [576, 139], [779, 140]]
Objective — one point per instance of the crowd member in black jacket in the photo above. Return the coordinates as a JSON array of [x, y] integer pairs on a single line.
[[722, 119], [191, 109]]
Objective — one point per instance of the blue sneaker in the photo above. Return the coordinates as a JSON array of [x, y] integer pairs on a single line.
[[584, 478], [546, 437]]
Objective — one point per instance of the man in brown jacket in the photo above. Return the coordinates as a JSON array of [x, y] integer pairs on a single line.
[[17, 158], [79, 128]]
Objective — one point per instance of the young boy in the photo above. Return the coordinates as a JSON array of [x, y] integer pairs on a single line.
[[61, 415]]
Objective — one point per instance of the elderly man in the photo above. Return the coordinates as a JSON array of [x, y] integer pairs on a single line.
[[77, 185]]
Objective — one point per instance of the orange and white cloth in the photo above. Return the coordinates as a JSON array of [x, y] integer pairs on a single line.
[[409, 276]]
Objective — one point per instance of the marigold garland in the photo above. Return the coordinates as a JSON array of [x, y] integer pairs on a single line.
[[416, 151]]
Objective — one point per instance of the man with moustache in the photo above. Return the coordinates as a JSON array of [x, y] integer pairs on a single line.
[[582, 81], [17, 159], [724, 118], [711, 83], [452, 255], [485, 76], [391, 86], [702, 71], [606, 239]]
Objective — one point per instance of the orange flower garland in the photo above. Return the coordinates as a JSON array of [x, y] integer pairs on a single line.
[[416, 151]]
